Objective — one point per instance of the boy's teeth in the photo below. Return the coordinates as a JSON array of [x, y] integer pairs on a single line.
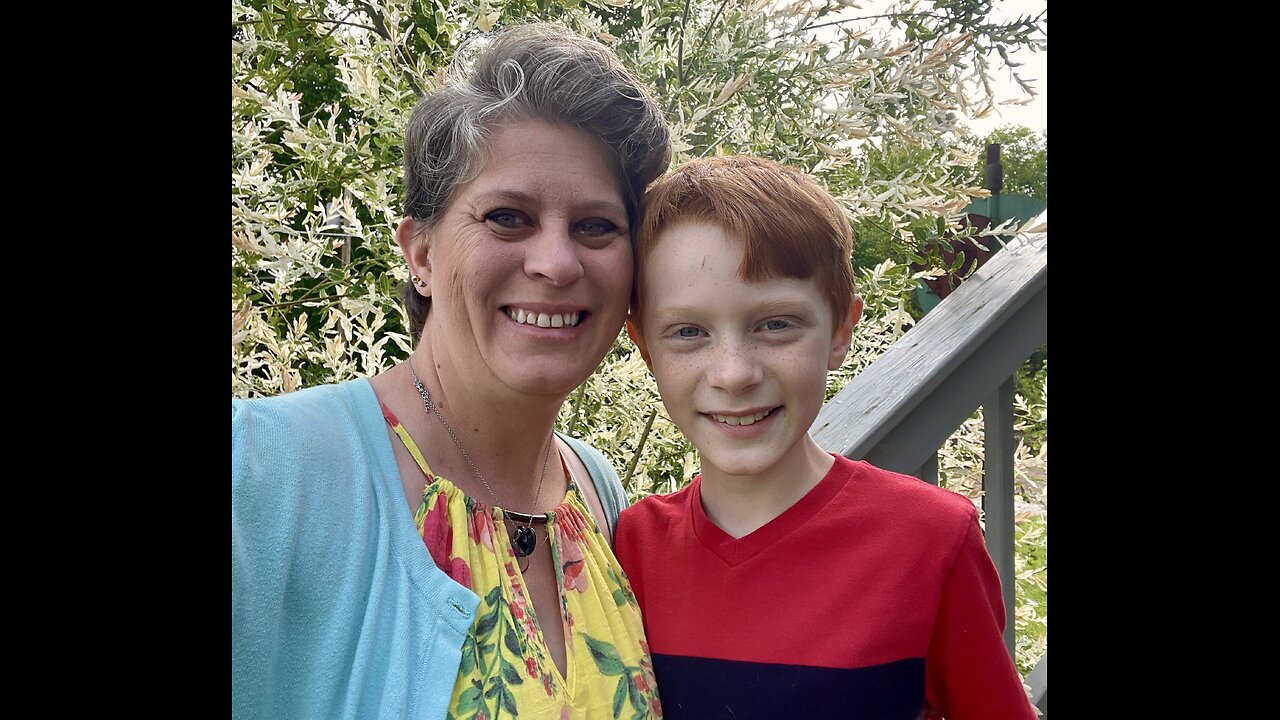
[[741, 419], [544, 319]]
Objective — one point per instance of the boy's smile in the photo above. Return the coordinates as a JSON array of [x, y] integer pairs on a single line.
[[742, 366]]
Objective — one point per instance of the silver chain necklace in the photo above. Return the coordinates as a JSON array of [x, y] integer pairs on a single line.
[[525, 540]]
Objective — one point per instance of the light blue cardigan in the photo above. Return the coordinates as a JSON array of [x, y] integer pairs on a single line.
[[337, 610]]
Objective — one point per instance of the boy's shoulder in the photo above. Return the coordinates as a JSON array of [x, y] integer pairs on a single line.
[[658, 510], [909, 498]]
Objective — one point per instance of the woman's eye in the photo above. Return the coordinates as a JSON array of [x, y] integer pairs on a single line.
[[688, 331], [506, 218], [596, 226], [776, 324]]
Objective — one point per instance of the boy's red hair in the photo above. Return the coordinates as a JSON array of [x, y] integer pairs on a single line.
[[789, 224]]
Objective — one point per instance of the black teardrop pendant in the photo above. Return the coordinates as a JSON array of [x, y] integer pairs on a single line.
[[524, 541]]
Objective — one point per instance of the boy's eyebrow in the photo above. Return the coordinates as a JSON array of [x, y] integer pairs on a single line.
[[766, 307], [664, 311]]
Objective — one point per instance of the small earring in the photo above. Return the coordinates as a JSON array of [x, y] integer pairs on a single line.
[[417, 281]]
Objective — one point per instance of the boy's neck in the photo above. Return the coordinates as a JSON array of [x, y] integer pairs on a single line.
[[742, 504]]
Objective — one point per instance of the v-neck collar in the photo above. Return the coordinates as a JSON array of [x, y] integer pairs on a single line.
[[735, 551]]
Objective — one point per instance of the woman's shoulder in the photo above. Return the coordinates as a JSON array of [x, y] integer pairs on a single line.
[[603, 477], [321, 430], [314, 407]]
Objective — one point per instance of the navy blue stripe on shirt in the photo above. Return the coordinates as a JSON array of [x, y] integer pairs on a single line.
[[707, 689]]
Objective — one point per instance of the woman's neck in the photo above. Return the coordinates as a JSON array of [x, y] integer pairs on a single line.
[[504, 433]]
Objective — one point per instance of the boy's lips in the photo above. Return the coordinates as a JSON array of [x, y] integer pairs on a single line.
[[741, 417]]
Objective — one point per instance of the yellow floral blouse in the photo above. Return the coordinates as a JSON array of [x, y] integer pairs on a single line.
[[506, 669]]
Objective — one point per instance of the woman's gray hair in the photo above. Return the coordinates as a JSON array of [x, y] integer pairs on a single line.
[[538, 70]]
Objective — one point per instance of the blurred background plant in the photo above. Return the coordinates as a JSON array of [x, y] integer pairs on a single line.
[[873, 102]]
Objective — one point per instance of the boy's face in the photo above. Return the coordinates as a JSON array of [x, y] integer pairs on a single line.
[[742, 367]]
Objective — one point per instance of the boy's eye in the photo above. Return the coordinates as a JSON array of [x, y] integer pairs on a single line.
[[688, 331], [776, 324]]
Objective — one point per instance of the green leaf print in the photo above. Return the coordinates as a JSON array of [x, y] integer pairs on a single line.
[[622, 591], [493, 595], [508, 703], [469, 699], [468, 655], [513, 642], [605, 655], [618, 696], [510, 674], [637, 700], [487, 623], [483, 650]]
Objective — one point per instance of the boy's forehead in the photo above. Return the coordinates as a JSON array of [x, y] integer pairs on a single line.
[[678, 234], [691, 251]]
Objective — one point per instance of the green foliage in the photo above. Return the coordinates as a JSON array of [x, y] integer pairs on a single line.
[[1024, 154], [1030, 568]]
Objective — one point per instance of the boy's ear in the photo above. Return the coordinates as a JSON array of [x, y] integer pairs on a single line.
[[637, 337], [842, 338], [415, 243]]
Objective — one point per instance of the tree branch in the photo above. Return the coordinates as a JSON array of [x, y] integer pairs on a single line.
[[631, 466], [306, 300], [340, 22], [684, 30], [707, 34], [872, 17]]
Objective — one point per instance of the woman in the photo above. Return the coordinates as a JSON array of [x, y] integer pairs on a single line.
[[420, 542]]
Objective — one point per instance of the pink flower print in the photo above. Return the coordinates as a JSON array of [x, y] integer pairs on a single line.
[[532, 666], [570, 523], [438, 536], [572, 565], [546, 684], [480, 527], [437, 533], [530, 626], [460, 573], [646, 672]]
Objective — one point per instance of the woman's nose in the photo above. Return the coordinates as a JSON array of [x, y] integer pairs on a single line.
[[553, 255]]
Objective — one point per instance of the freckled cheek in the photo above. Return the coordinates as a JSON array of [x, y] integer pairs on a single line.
[[676, 377]]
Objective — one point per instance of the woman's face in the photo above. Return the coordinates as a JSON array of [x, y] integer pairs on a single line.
[[530, 264]]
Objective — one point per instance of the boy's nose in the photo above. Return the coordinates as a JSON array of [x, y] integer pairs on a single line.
[[735, 369], [552, 255]]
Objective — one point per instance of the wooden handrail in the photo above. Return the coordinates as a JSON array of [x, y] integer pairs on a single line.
[[899, 410]]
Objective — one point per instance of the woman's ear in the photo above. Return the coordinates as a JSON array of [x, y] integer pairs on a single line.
[[637, 337], [415, 242], [842, 338]]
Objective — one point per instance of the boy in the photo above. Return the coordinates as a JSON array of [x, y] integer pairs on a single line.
[[786, 581]]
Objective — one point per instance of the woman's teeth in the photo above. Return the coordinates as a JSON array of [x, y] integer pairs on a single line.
[[554, 320]]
